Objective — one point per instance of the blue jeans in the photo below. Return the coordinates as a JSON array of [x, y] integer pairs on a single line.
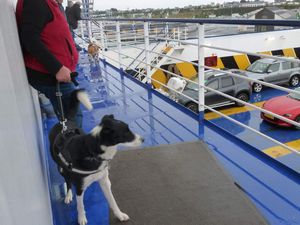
[[66, 90]]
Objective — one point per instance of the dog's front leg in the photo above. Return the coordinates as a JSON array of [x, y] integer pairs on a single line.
[[105, 185], [80, 209]]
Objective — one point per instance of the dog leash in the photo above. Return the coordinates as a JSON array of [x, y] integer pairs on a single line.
[[63, 162], [81, 38], [62, 119]]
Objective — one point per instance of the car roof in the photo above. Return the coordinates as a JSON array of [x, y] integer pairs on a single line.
[[268, 60], [213, 73], [209, 74]]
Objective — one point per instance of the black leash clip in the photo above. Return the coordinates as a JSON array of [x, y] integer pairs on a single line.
[[73, 76]]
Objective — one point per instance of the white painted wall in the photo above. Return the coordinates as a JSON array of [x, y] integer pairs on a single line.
[[24, 195], [252, 42]]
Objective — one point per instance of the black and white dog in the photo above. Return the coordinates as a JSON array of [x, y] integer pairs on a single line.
[[89, 153]]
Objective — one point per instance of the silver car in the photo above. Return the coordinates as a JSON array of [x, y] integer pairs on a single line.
[[218, 80], [273, 71]]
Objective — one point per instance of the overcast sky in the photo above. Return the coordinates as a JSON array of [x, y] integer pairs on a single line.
[[143, 4]]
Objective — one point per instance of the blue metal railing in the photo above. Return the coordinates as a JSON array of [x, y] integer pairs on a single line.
[[266, 22], [199, 47]]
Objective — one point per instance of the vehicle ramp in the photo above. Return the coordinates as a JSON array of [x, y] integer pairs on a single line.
[[178, 184]]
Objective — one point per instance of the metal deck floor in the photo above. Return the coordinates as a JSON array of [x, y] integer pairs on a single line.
[[272, 188], [178, 184]]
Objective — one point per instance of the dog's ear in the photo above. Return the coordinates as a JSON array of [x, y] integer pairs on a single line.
[[111, 116], [107, 120]]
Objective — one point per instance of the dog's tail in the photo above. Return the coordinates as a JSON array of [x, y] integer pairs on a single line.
[[77, 97]]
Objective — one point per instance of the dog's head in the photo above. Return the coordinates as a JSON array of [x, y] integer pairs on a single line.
[[94, 47], [112, 132]]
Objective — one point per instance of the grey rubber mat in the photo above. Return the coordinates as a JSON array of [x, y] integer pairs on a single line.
[[179, 184]]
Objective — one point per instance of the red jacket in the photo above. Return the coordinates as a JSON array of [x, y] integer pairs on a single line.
[[56, 36]]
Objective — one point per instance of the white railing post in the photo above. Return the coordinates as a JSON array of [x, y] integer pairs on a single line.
[[102, 40], [201, 69], [178, 35], [147, 50], [90, 29], [174, 33], [134, 30], [119, 43], [167, 30]]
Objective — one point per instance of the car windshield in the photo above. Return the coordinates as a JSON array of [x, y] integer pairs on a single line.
[[258, 67], [208, 75], [295, 96]]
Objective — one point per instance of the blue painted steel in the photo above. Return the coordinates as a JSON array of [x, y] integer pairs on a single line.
[[271, 186], [261, 177]]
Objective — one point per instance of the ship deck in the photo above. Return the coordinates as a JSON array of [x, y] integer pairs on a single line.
[[266, 174]]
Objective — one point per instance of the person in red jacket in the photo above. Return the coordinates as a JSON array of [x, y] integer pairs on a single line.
[[49, 51]]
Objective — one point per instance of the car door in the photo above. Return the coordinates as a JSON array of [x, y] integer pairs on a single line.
[[227, 87], [211, 97], [273, 73], [285, 72]]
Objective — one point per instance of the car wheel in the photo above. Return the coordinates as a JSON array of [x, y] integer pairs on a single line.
[[294, 81], [257, 87], [242, 96], [192, 106], [298, 121]]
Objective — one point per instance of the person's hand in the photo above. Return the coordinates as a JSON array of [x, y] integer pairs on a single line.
[[63, 75]]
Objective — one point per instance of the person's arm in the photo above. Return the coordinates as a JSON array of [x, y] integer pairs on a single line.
[[35, 15]]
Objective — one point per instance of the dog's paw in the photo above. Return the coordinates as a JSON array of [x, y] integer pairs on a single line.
[[69, 197], [122, 216], [82, 220]]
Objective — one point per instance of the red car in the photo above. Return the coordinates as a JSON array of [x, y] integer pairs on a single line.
[[287, 106]]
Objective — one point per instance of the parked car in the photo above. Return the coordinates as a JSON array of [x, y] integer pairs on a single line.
[[218, 80], [287, 106], [273, 71]]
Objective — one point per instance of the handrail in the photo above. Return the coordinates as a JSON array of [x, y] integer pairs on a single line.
[[227, 117], [232, 74], [200, 45], [143, 52], [161, 32], [267, 22]]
